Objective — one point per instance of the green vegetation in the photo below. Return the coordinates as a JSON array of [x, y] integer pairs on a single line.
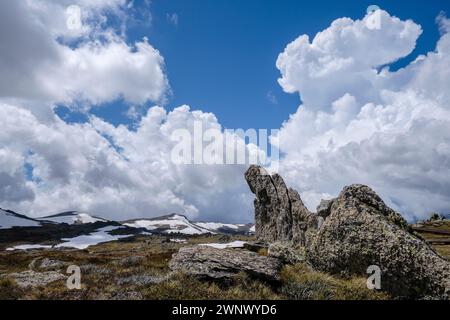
[[434, 232]]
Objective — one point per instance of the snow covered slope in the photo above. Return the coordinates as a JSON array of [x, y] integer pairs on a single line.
[[100, 236], [176, 223], [10, 219], [234, 244], [73, 217], [226, 228], [168, 224], [217, 225], [79, 230]]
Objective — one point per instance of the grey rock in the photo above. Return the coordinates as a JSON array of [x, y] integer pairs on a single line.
[[361, 230], [280, 214], [45, 264], [256, 246], [30, 278], [212, 263], [324, 208], [286, 253], [302, 219], [267, 204]]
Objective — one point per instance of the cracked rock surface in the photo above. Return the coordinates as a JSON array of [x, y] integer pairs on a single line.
[[280, 214], [361, 230], [215, 263], [357, 230]]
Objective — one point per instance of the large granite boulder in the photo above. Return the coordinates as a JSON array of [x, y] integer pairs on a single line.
[[360, 230], [280, 214], [211, 263], [286, 253]]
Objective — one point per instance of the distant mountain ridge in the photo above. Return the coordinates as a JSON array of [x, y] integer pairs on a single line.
[[72, 217], [11, 219], [71, 227], [170, 223], [176, 223]]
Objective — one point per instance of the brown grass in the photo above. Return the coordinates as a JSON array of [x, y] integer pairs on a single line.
[[109, 275], [300, 283], [189, 288]]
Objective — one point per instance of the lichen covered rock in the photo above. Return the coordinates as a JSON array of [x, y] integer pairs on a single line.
[[361, 230], [280, 214], [286, 253], [211, 263]]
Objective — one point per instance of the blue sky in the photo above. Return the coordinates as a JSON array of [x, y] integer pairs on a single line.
[[388, 130], [221, 55]]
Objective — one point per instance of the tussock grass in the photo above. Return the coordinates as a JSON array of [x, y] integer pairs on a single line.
[[300, 283], [184, 287], [263, 252], [9, 289], [443, 250]]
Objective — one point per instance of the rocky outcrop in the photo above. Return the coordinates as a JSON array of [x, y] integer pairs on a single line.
[[280, 214], [212, 263], [347, 236], [360, 230], [324, 208], [303, 221], [286, 253]]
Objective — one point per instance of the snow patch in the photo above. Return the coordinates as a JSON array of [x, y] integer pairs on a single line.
[[234, 244], [216, 225], [74, 218], [174, 224], [145, 224], [9, 220], [85, 241], [178, 240], [28, 247]]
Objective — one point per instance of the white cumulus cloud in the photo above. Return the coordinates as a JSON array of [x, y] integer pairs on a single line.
[[359, 122], [114, 171], [43, 62], [48, 165]]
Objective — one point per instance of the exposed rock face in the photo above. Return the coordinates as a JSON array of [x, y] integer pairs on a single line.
[[286, 253], [360, 231], [280, 214], [324, 208], [303, 221], [357, 230], [212, 263]]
